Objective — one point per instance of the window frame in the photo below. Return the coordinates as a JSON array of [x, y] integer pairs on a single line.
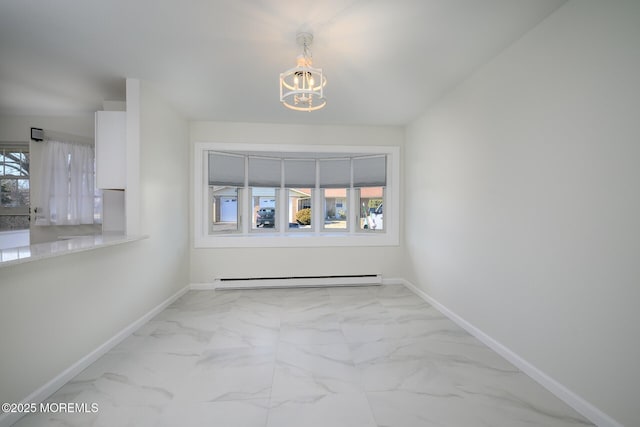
[[283, 237], [21, 175]]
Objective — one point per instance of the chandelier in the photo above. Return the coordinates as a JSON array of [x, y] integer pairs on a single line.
[[302, 87]]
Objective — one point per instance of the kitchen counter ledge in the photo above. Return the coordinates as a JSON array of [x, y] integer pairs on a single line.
[[63, 246]]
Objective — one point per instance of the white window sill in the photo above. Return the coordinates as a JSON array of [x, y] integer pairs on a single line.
[[296, 240], [23, 254]]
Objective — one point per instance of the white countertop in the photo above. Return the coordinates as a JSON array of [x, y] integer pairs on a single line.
[[61, 247]]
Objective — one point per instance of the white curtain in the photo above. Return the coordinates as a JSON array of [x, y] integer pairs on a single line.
[[67, 184]]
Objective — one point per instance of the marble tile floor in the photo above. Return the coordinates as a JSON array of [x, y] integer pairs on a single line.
[[325, 357]]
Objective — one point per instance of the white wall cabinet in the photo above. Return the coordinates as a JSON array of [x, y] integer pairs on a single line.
[[111, 147]]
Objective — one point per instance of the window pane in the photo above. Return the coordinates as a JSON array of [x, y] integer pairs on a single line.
[[15, 163], [11, 168], [335, 208], [263, 205], [223, 209], [23, 192], [299, 215], [8, 193], [14, 188], [21, 161], [371, 208]]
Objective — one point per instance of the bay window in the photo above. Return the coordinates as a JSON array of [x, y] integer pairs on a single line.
[[277, 195]]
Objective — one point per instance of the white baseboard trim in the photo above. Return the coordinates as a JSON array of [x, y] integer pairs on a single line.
[[393, 281], [202, 287], [585, 408], [7, 419]]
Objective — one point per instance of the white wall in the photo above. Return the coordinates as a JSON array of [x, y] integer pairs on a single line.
[[18, 128], [55, 311], [524, 201], [206, 264]]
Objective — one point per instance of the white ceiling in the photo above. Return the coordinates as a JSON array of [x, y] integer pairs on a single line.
[[385, 61]]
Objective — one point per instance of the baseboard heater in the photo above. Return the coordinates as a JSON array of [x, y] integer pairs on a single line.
[[297, 281]]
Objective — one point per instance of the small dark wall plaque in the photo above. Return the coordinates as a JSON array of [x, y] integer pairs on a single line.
[[37, 134]]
